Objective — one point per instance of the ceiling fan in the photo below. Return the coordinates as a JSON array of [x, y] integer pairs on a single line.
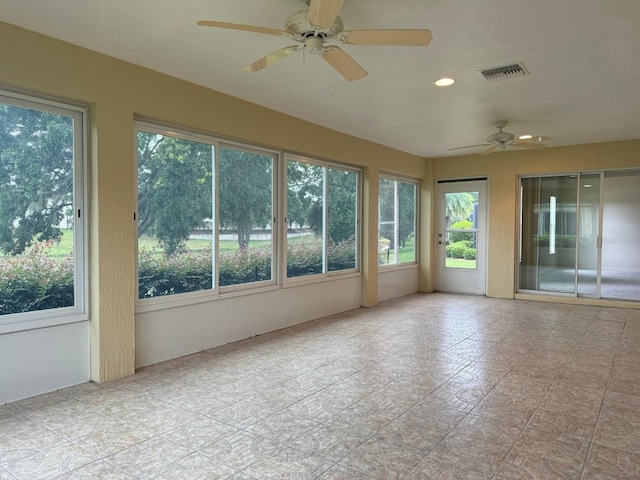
[[500, 140], [315, 28]]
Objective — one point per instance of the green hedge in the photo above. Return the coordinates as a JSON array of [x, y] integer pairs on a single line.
[[469, 254], [37, 282], [461, 249], [456, 237]]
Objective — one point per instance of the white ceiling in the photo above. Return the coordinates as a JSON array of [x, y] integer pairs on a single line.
[[583, 57]]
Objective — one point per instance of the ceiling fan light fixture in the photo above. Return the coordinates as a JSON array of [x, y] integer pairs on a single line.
[[444, 82], [313, 45]]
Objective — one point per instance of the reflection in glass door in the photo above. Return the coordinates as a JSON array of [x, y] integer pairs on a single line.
[[548, 234]]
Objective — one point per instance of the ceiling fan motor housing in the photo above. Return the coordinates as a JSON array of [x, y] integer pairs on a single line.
[[500, 137], [299, 27]]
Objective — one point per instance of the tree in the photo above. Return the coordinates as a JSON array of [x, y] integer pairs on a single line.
[[174, 188], [304, 195], [386, 209], [458, 207], [36, 176], [406, 193], [300, 180], [343, 189], [406, 212], [341, 200], [245, 182]]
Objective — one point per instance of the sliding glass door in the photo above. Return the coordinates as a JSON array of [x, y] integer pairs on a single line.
[[548, 234], [579, 235], [621, 236]]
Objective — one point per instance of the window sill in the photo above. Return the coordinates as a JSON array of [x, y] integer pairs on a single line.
[[37, 321]]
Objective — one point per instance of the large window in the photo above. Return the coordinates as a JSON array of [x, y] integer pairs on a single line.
[[205, 214], [207, 210], [42, 268], [322, 218], [397, 200]]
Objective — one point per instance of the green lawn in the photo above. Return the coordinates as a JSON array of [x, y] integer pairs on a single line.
[[65, 246], [460, 263], [406, 254]]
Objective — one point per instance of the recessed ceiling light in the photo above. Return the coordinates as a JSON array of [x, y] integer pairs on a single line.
[[524, 137], [445, 82]]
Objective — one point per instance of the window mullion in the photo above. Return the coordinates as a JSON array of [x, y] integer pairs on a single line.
[[215, 224], [325, 219], [396, 222]]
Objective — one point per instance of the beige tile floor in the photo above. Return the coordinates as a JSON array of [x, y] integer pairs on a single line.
[[429, 386]]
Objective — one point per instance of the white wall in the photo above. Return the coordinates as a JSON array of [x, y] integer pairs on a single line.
[[175, 332], [397, 283], [39, 361]]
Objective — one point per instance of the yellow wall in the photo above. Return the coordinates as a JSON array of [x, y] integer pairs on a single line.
[[502, 170], [115, 92]]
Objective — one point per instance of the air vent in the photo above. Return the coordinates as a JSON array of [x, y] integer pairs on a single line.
[[515, 70]]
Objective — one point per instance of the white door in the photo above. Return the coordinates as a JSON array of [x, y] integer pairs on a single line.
[[461, 237]]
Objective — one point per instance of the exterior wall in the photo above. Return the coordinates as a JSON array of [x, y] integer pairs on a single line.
[[502, 170], [117, 92]]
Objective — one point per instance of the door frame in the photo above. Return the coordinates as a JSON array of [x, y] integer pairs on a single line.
[[466, 281]]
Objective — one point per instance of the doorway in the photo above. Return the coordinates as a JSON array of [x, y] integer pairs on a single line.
[[461, 237]]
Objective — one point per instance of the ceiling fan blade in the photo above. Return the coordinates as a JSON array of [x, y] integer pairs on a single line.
[[343, 63], [271, 58], [406, 38], [528, 145], [469, 146], [491, 149], [246, 28], [323, 13], [533, 139]]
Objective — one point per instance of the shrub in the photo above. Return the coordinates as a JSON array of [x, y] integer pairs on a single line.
[[342, 255], [35, 281], [304, 258], [456, 237], [456, 250], [244, 266], [469, 254], [159, 275]]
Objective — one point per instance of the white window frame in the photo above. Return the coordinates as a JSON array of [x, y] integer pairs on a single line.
[[396, 220], [215, 292], [79, 311], [263, 284], [326, 274]]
